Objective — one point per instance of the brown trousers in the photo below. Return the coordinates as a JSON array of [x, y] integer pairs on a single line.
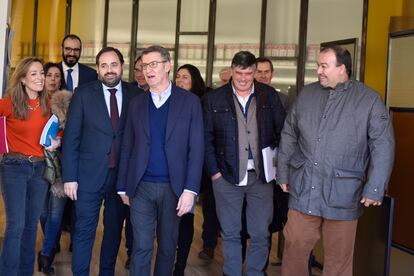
[[301, 234]]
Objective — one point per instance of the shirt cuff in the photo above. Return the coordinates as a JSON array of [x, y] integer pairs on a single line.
[[185, 190], [121, 193]]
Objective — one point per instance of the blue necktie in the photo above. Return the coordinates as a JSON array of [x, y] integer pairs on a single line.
[[69, 81]]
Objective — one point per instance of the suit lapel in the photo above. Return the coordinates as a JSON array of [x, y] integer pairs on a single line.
[[144, 113], [62, 79], [82, 74], [230, 99], [260, 100], [80, 79], [125, 100], [176, 105]]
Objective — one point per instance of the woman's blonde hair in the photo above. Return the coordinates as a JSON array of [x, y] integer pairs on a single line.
[[17, 92]]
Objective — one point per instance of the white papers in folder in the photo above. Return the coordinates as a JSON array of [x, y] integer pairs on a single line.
[[269, 163], [51, 129]]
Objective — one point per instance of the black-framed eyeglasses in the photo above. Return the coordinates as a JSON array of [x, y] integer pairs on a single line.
[[152, 64], [69, 49]]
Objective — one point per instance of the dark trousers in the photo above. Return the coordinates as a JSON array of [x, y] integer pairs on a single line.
[[185, 238], [24, 191], [87, 216], [154, 205], [51, 220], [129, 238], [211, 224], [259, 211], [243, 233]]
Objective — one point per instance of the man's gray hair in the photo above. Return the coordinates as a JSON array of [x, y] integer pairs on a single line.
[[159, 49]]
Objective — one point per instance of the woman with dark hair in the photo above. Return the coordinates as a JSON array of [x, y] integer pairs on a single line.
[[26, 111], [53, 78], [51, 217], [189, 78]]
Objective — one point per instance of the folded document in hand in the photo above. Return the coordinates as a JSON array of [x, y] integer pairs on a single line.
[[269, 163], [51, 129]]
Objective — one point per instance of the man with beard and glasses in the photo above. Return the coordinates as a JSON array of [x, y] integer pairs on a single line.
[[90, 154], [75, 73]]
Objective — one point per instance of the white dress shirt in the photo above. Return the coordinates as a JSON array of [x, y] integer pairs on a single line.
[[118, 95], [160, 98]]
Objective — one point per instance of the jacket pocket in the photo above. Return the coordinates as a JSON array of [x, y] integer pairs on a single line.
[[220, 112], [296, 171], [221, 123], [346, 188]]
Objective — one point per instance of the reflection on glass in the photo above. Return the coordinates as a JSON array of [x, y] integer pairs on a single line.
[[193, 50], [325, 23], [194, 15], [400, 77], [282, 34], [22, 27], [282, 22], [87, 22], [50, 29], [119, 29], [156, 25], [284, 75], [237, 29]]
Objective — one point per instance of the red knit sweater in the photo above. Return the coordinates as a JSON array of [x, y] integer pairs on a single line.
[[23, 136]]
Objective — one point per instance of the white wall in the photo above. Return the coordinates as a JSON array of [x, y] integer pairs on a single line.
[[4, 13]]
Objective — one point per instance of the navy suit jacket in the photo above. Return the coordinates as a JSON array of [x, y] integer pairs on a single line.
[[184, 143], [86, 75], [88, 135]]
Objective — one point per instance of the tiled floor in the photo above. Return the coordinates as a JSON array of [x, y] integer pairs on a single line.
[[402, 264]]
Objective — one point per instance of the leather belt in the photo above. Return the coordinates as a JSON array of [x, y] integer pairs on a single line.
[[30, 158]]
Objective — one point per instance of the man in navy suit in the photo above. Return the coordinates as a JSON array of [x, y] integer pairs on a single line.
[[161, 163], [75, 73], [90, 151]]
